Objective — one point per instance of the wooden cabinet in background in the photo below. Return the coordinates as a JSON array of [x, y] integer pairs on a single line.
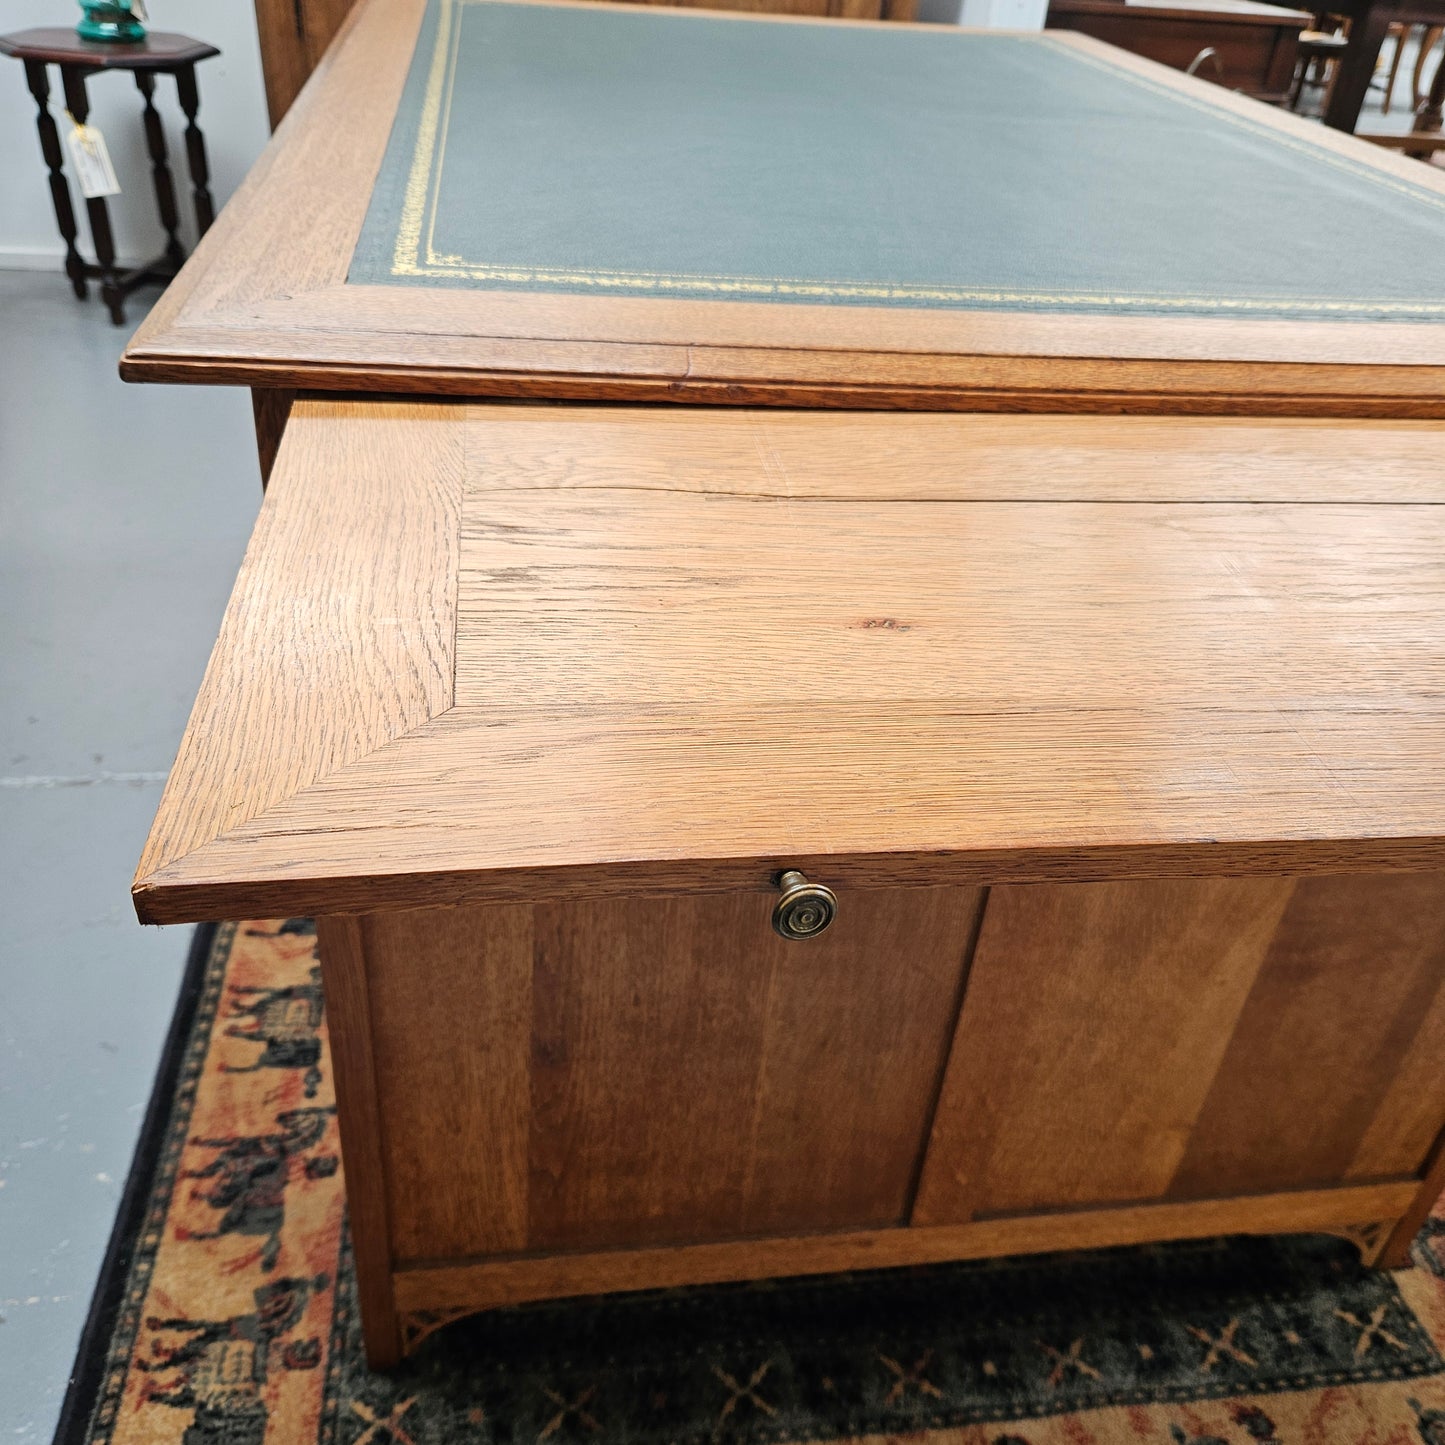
[[1241, 44], [294, 35]]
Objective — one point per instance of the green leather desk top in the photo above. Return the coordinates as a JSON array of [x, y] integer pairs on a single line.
[[666, 153]]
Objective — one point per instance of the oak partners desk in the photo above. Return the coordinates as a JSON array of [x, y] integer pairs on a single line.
[[639, 204], [1092, 763], [1096, 759]]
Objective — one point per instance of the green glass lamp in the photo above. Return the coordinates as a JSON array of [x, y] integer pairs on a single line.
[[112, 20]]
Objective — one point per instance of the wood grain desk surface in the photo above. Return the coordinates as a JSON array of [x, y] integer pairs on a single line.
[[490, 651], [1096, 270]]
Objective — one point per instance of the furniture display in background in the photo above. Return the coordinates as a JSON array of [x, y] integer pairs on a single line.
[[1431, 116], [1427, 135], [294, 34], [1319, 54], [1241, 44], [1369, 24], [160, 53], [1402, 35]]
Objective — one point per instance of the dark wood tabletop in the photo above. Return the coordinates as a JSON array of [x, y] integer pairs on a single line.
[[58, 45]]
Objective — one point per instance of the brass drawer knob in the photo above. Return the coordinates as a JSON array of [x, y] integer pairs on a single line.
[[805, 909]]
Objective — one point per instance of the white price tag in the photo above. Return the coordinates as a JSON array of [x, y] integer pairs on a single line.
[[91, 161]]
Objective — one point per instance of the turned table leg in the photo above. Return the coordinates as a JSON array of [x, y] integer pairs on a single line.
[[39, 84], [160, 169], [195, 148], [76, 102]]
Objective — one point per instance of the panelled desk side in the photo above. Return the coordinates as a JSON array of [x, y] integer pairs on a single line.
[[264, 302], [1118, 738]]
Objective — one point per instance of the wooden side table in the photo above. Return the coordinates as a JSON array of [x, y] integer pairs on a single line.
[[77, 59]]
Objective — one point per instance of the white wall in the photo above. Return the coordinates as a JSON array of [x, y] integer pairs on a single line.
[[232, 118]]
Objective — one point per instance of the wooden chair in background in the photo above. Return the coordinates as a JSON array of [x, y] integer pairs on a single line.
[[1321, 47], [1401, 34], [1319, 53]]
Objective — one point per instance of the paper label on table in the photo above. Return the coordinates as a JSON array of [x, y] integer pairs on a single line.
[[91, 160]]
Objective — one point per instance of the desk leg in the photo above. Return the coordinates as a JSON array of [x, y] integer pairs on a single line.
[[1357, 66], [271, 409], [72, 78], [160, 169], [39, 83], [358, 1113], [195, 148]]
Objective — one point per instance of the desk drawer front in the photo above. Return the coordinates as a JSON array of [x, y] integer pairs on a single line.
[[659, 1070], [1190, 1039]]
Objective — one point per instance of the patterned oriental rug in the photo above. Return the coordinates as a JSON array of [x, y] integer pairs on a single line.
[[226, 1311]]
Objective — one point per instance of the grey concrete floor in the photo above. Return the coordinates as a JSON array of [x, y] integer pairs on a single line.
[[123, 514]]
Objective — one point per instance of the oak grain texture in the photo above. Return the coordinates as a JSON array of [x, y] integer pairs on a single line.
[[629, 1072], [1317, 1084], [1096, 1019], [884, 457], [695, 1076], [451, 995], [485, 1284], [682, 686], [262, 303], [328, 649], [1190, 1039], [549, 697]]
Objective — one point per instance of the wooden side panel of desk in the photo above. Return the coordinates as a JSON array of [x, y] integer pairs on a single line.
[[1190, 1039]]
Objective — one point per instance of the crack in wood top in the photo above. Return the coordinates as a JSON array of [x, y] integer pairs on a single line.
[[460, 656]]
